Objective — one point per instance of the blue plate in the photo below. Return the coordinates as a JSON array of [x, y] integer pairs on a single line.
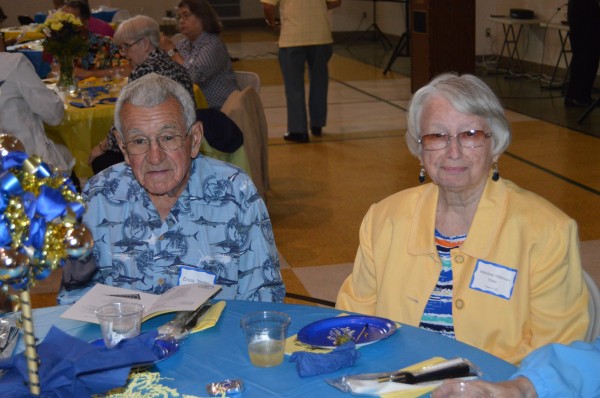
[[363, 330], [163, 349]]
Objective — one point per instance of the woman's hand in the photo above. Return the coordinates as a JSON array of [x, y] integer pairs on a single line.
[[166, 44], [95, 152]]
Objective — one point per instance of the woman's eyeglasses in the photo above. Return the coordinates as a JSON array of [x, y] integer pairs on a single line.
[[184, 15], [126, 46], [466, 139]]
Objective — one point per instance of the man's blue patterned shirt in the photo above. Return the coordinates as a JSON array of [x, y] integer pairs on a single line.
[[219, 230]]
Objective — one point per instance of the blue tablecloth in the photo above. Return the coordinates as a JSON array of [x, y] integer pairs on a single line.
[[105, 15], [220, 353], [42, 67]]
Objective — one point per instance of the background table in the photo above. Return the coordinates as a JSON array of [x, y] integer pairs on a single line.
[[82, 129], [21, 33], [511, 40], [565, 48], [220, 353]]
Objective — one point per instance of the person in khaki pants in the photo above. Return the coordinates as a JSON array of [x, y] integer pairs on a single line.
[[305, 39]]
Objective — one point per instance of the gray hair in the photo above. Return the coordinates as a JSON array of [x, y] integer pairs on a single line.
[[152, 90], [137, 28], [469, 95]]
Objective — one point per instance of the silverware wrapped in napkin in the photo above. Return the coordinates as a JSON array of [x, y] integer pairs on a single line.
[[422, 377], [8, 337], [186, 322]]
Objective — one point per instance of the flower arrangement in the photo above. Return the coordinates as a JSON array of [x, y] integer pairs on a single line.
[[64, 34], [65, 39]]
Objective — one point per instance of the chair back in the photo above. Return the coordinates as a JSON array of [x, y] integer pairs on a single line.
[[246, 110], [593, 307], [245, 79]]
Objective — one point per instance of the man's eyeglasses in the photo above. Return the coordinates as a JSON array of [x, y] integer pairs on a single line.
[[184, 15], [466, 139], [125, 47], [167, 142]]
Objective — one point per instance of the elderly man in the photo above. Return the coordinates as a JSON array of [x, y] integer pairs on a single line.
[[169, 216]]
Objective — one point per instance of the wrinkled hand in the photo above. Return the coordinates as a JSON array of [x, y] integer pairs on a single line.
[[166, 43], [517, 388], [94, 153]]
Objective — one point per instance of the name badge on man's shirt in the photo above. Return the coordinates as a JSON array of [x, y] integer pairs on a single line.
[[188, 275], [494, 279]]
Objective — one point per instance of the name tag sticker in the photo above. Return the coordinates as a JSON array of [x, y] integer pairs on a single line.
[[188, 275], [494, 279]]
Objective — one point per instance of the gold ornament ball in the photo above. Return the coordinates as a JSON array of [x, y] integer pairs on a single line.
[[13, 265], [8, 143], [78, 242]]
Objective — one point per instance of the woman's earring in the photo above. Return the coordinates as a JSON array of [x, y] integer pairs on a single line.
[[496, 173], [422, 175]]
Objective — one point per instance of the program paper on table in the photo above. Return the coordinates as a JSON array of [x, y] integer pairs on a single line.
[[179, 298]]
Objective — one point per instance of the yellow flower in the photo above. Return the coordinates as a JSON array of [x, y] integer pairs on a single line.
[[56, 26]]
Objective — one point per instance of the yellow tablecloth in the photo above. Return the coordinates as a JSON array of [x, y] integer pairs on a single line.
[[11, 34], [83, 128]]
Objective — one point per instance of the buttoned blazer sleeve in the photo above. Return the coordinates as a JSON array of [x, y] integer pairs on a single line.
[[388, 279]]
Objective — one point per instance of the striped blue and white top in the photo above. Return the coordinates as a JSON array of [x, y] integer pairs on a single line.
[[437, 316]]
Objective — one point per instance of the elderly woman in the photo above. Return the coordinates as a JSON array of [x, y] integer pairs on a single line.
[[139, 39], [471, 256], [202, 51]]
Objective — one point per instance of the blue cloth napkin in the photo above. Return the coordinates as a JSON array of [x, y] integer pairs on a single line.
[[312, 364], [78, 104], [70, 367], [94, 91]]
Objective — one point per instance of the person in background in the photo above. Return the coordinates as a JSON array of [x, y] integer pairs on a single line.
[[57, 5], [169, 216], [81, 10], [471, 256], [584, 29], [138, 39], [551, 371], [25, 105], [305, 39], [202, 51], [103, 58]]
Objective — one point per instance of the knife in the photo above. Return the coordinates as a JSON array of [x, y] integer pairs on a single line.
[[192, 320], [448, 370], [183, 322]]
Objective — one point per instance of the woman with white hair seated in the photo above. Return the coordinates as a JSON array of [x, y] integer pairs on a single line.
[[139, 39], [471, 255]]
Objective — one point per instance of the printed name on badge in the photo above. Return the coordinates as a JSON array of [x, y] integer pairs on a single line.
[[196, 276], [495, 279]]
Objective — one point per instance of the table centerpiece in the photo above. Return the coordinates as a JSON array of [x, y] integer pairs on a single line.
[[65, 39]]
